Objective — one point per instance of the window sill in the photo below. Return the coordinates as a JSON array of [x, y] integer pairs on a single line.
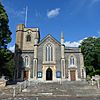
[[48, 62], [72, 66]]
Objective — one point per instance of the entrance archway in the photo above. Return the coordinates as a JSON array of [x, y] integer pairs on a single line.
[[73, 75], [25, 76], [49, 74]]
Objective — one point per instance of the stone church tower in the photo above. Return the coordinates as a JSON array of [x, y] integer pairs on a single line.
[[26, 44], [46, 60]]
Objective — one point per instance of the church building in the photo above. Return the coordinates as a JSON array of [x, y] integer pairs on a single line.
[[46, 60]]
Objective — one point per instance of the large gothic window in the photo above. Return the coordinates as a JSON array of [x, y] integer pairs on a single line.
[[28, 38], [49, 53], [72, 61]]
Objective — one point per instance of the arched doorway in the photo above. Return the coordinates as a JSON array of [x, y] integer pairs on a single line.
[[25, 76], [73, 75], [49, 74]]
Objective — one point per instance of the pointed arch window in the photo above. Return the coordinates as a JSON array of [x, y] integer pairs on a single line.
[[72, 61], [82, 73], [49, 53], [28, 38], [26, 61]]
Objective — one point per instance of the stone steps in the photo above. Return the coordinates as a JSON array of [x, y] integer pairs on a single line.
[[66, 88]]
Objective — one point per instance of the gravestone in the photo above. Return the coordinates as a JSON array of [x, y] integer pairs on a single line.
[[97, 79], [2, 82]]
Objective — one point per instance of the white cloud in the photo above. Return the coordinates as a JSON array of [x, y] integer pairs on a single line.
[[53, 13], [16, 13], [93, 2], [12, 48], [74, 44], [98, 33], [19, 13], [37, 13]]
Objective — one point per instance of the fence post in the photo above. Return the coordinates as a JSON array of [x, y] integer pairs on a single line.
[[61, 81], [25, 84], [98, 83], [20, 87], [36, 98], [14, 94], [92, 82], [29, 83]]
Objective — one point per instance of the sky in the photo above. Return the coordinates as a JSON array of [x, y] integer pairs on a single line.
[[77, 19]]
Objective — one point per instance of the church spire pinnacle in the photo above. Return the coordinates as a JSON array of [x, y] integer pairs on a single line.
[[62, 38], [62, 35], [26, 15]]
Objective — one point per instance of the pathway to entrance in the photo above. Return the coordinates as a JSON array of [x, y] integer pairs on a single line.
[[54, 98]]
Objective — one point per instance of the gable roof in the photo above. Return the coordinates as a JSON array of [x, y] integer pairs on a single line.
[[49, 36]]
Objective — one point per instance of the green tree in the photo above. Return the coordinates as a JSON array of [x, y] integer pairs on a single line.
[[91, 50], [5, 38], [9, 69], [5, 33]]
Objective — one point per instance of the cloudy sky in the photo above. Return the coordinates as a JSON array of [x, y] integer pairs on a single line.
[[77, 19]]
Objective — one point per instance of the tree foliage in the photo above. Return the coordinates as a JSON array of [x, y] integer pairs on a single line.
[[6, 56], [7, 64], [5, 34], [9, 71], [91, 50]]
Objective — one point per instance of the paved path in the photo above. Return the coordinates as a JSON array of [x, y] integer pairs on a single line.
[[54, 98]]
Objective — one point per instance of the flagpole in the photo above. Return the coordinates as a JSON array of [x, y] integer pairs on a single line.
[[26, 16]]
